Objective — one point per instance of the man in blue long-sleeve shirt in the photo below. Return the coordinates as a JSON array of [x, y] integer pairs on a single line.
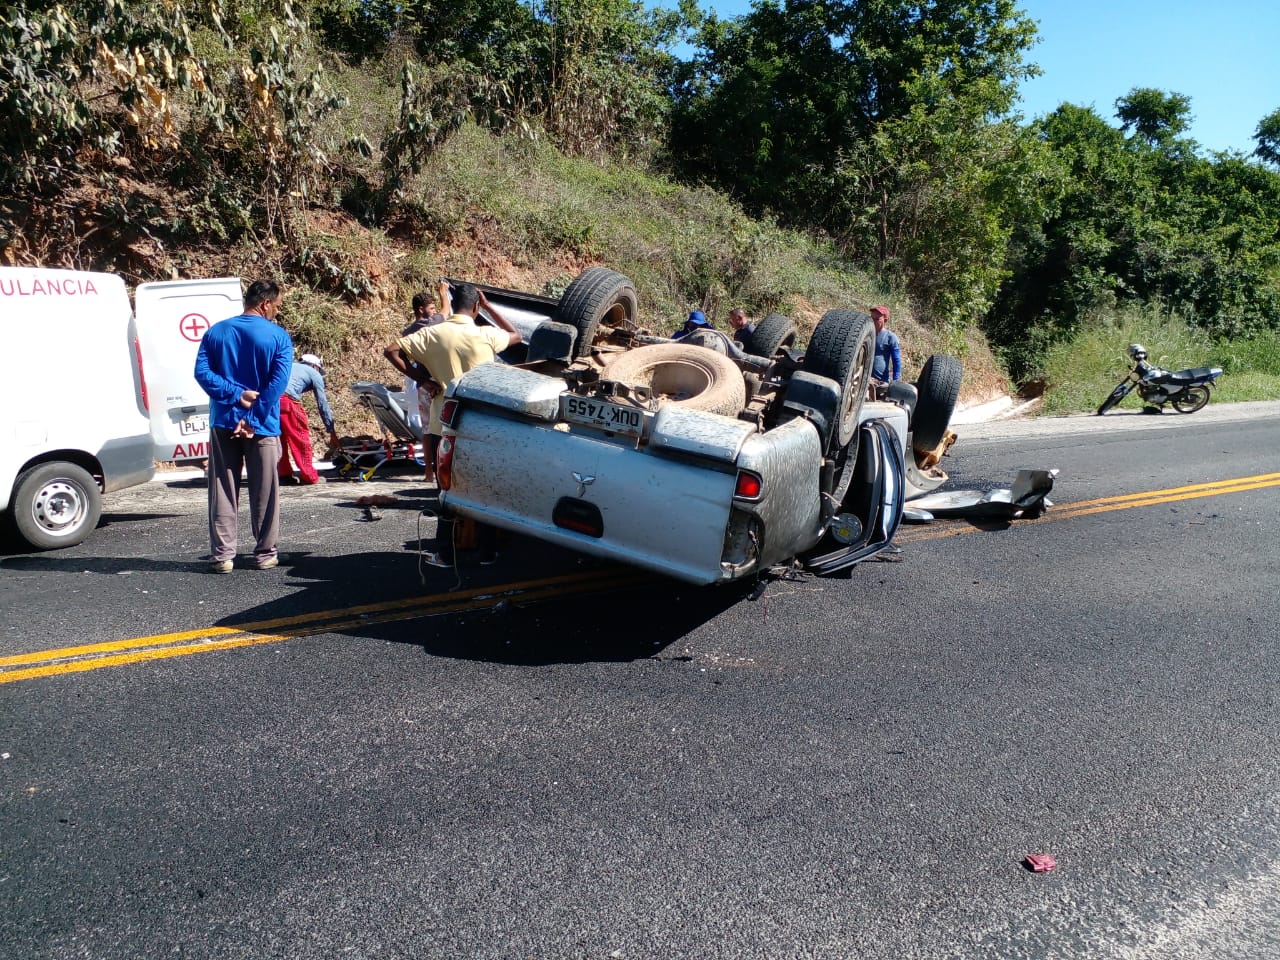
[[243, 365], [295, 429], [888, 362]]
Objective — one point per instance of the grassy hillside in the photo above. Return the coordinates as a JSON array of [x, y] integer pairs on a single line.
[[515, 213]]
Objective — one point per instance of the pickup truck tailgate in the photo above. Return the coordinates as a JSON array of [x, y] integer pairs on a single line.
[[513, 471]]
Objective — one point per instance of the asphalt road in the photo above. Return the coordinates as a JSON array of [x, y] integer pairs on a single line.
[[556, 758]]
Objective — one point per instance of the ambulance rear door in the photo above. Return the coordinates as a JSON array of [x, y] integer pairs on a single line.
[[171, 319]]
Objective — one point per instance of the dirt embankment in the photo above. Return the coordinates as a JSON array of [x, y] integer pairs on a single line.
[[350, 331]]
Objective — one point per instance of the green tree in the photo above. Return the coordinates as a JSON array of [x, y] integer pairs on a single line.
[[1136, 224], [1267, 137], [604, 75], [57, 62], [844, 115], [1155, 116]]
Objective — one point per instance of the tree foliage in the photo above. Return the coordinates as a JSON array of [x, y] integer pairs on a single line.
[[592, 73], [1155, 116], [861, 117], [886, 124], [603, 73], [121, 81], [1137, 225], [1267, 137], [50, 57], [230, 100]]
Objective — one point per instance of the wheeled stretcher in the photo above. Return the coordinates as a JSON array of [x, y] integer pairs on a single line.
[[360, 457]]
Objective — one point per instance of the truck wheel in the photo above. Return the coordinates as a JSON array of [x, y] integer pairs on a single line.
[[771, 334], [938, 386], [692, 377], [597, 297], [843, 348], [56, 505]]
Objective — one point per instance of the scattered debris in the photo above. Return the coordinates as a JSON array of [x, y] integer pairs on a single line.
[[1026, 499], [376, 500], [1039, 862]]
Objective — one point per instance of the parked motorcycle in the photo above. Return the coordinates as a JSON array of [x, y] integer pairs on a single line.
[[1187, 390]]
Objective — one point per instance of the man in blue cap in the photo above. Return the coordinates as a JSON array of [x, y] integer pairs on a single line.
[[696, 321]]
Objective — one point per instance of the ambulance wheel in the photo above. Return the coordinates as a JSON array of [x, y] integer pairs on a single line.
[[56, 505]]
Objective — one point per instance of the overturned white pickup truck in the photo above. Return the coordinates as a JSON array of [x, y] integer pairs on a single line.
[[696, 459]]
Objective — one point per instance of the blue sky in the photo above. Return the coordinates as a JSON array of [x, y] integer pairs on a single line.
[[1223, 54]]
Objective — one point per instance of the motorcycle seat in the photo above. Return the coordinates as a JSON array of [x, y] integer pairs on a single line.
[[1193, 375]]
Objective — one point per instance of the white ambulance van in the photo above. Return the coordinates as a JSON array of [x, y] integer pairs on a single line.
[[84, 410]]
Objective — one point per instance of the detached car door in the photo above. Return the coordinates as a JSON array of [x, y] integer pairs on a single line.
[[171, 319]]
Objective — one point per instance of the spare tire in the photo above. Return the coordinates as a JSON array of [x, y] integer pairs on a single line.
[[597, 296], [770, 335], [843, 348], [938, 388], [691, 377]]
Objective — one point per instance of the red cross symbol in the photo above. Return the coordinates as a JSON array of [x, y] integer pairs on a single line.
[[193, 326]]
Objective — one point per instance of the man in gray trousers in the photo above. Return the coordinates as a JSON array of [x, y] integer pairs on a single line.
[[243, 365]]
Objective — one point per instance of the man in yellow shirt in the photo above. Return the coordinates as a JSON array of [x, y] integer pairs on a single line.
[[443, 353]]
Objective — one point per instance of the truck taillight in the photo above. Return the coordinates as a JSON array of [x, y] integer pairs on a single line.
[[748, 487], [449, 413], [444, 463], [142, 376]]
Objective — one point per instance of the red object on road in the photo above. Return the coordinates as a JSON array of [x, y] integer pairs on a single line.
[[1040, 862]]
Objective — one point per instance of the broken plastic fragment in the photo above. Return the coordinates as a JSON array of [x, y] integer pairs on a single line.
[[1026, 499]]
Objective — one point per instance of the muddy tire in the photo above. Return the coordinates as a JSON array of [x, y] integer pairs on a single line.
[[691, 377], [56, 505], [939, 387], [597, 298], [843, 348], [771, 334]]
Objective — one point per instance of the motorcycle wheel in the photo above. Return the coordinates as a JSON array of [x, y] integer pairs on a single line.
[[1191, 399], [1119, 393]]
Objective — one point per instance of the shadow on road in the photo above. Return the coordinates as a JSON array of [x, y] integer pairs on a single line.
[[14, 551], [623, 624], [589, 611]]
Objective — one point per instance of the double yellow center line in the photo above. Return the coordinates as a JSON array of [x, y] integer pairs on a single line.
[[1128, 501], [95, 656]]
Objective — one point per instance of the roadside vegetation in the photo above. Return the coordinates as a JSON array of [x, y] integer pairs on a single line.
[[832, 153], [1083, 369]]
